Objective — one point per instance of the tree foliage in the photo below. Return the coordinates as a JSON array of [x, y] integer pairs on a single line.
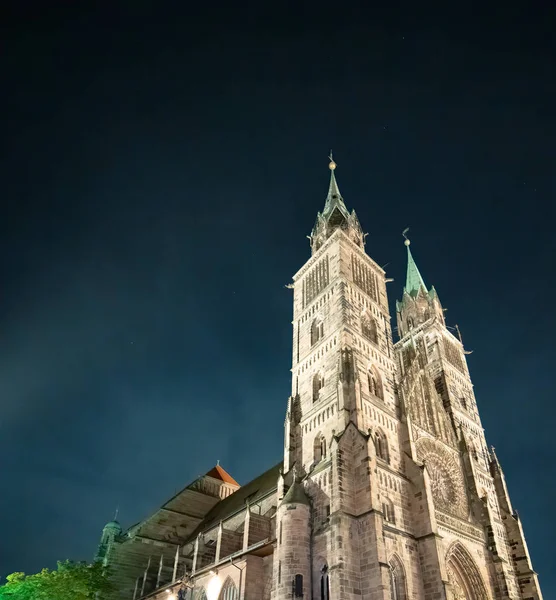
[[70, 581]]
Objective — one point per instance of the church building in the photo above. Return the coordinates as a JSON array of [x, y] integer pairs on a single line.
[[387, 489]]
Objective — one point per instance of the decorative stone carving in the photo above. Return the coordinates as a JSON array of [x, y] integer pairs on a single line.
[[458, 593], [446, 477], [464, 578], [461, 526]]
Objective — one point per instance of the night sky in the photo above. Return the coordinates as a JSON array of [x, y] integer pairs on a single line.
[[160, 170]]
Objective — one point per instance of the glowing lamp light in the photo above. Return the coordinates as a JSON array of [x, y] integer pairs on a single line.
[[214, 586]]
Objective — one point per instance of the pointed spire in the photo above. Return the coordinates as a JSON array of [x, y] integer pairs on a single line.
[[333, 188], [335, 215], [334, 198], [413, 282]]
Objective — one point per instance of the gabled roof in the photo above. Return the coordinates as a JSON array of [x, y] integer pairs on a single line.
[[250, 492], [218, 472]]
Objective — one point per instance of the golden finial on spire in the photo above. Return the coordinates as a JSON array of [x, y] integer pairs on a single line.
[[332, 165], [406, 241]]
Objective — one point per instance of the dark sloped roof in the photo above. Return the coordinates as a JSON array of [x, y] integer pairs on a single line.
[[252, 491], [296, 495]]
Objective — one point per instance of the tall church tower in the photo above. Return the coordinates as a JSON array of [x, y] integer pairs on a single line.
[[388, 490]]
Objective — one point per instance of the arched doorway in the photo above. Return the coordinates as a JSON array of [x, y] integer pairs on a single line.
[[464, 577]]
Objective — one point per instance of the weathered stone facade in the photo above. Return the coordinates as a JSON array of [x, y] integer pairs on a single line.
[[387, 490]]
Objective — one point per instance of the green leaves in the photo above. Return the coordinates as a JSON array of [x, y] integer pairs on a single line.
[[70, 581]]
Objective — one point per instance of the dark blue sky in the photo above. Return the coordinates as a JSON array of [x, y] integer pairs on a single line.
[[160, 170]]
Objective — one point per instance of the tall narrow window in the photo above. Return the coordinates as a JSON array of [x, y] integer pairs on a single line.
[[375, 383], [368, 328], [319, 448], [317, 331], [318, 384], [324, 584], [388, 511], [298, 586], [393, 585], [397, 579], [381, 445]]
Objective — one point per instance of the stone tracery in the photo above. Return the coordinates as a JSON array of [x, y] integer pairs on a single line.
[[445, 476], [458, 593], [464, 577]]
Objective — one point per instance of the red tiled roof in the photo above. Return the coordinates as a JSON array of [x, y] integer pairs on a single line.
[[218, 472]]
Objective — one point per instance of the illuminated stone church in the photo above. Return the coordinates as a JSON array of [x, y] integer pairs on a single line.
[[387, 489]]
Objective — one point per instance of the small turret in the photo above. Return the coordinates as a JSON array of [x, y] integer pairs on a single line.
[[335, 216], [296, 495], [293, 539], [110, 532], [417, 304]]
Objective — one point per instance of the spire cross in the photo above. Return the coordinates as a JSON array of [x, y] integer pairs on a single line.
[[404, 233], [116, 513], [332, 164]]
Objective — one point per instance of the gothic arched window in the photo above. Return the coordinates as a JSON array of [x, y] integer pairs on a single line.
[[397, 579], [317, 331], [381, 445], [318, 384], [319, 448], [324, 584], [229, 591], [375, 383], [388, 511], [410, 323], [369, 328]]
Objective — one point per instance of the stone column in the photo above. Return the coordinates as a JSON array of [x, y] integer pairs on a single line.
[[145, 576], [246, 528], [159, 570], [195, 555], [218, 542]]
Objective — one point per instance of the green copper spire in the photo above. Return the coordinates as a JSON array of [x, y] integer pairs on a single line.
[[414, 282]]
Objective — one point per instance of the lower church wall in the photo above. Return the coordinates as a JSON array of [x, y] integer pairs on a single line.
[[403, 550]]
